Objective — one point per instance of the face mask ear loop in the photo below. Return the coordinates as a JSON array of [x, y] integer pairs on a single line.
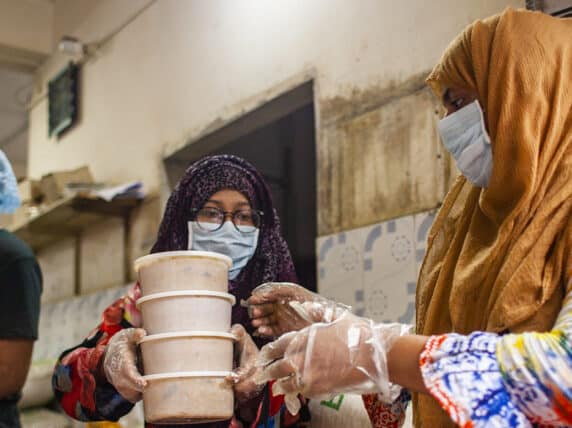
[[189, 236], [484, 123]]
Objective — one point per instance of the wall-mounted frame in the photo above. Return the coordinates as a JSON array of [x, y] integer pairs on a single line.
[[63, 100]]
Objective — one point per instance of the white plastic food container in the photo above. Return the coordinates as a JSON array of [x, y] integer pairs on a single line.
[[186, 311], [188, 397], [187, 351], [183, 270]]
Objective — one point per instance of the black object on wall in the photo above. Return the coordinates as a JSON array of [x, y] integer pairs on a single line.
[[63, 100]]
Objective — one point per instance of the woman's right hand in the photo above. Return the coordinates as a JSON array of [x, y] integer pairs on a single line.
[[120, 364]]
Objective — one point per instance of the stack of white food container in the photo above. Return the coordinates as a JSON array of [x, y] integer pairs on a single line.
[[188, 350]]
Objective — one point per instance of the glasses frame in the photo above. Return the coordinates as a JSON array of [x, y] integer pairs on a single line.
[[232, 214]]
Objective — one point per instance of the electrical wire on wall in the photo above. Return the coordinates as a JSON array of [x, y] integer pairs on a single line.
[[72, 46], [11, 138], [18, 102]]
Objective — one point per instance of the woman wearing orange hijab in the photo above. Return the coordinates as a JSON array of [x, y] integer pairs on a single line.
[[494, 297]]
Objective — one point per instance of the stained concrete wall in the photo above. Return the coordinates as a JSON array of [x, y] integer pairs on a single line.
[[383, 162], [183, 68]]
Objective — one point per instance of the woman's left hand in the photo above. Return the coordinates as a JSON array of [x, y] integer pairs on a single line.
[[348, 355], [246, 355]]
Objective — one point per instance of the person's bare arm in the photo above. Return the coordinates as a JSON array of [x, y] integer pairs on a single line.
[[15, 357], [403, 362]]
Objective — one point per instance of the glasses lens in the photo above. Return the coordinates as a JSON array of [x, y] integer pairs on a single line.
[[246, 220], [209, 218]]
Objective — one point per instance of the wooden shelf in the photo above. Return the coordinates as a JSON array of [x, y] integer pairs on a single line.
[[69, 217]]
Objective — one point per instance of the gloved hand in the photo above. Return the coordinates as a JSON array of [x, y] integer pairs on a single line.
[[348, 355], [280, 307], [120, 364], [245, 354]]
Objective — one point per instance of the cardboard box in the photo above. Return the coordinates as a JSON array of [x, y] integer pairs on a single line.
[[58, 264], [30, 191], [53, 185], [102, 256]]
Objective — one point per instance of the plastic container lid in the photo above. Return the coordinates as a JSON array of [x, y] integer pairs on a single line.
[[145, 260], [182, 375], [196, 293], [182, 334]]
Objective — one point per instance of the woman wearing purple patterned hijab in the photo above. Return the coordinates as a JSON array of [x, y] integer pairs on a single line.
[[98, 379], [271, 261]]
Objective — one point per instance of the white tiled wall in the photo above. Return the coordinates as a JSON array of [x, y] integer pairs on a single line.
[[374, 269]]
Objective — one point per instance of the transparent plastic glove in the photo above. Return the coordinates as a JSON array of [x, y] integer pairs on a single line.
[[280, 307], [120, 363], [246, 356], [348, 355]]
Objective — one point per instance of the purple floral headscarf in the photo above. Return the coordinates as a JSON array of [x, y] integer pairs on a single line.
[[271, 261]]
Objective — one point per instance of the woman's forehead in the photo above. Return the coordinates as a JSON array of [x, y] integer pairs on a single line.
[[228, 196]]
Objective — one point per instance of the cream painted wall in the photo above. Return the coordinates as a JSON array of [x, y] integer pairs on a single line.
[[27, 24], [92, 20], [185, 65]]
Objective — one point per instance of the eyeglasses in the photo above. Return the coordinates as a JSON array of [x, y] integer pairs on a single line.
[[211, 219]]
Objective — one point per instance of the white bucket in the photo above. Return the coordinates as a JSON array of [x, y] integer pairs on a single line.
[[188, 397], [183, 270], [187, 351], [186, 311]]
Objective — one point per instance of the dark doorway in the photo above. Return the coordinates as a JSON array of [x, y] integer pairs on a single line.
[[278, 138]]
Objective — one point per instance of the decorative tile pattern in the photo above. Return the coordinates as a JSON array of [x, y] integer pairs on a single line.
[[374, 268], [340, 265]]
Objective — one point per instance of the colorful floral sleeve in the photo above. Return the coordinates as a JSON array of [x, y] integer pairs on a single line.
[[515, 380], [78, 380]]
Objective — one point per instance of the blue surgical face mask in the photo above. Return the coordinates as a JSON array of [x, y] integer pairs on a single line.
[[227, 240], [464, 136]]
